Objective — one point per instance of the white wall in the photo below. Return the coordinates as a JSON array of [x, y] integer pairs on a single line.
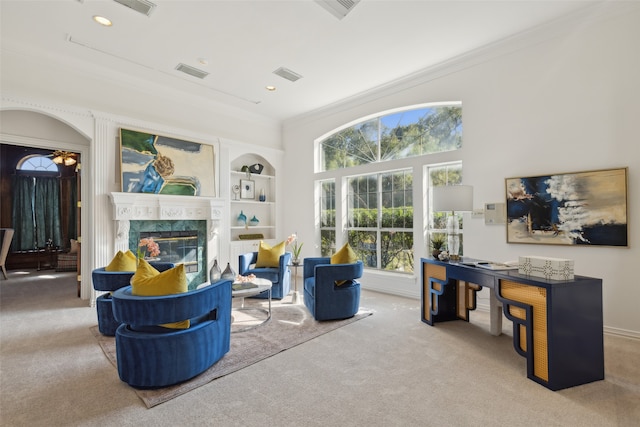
[[562, 99]]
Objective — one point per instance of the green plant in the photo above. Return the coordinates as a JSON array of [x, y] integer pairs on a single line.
[[296, 247], [437, 241]]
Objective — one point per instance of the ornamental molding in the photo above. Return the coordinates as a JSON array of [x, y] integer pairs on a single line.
[[142, 206]]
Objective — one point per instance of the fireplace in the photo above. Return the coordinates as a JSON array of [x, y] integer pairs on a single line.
[[178, 247], [176, 223], [179, 242]]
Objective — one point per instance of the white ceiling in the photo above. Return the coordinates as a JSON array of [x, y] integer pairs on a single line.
[[244, 41]]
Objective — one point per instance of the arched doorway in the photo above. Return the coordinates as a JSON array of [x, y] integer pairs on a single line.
[[46, 134]]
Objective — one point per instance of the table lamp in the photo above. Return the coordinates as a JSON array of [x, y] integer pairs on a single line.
[[453, 198]]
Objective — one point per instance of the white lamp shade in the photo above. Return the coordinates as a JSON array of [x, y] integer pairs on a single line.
[[453, 198]]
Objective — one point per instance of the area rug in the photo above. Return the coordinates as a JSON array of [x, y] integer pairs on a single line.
[[290, 325]]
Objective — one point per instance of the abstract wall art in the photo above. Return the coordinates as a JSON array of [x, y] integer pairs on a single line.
[[580, 208], [163, 165]]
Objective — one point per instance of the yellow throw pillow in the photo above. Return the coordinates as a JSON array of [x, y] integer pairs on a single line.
[[149, 282], [345, 255], [123, 261], [270, 256]]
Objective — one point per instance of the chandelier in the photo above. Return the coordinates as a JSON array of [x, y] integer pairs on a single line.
[[64, 157]]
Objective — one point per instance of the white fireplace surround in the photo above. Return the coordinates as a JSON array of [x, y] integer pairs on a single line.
[[150, 207]]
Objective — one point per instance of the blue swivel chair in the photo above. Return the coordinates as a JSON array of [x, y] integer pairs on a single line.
[[109, 281], [152, 356], [325, 299], [280, 277]]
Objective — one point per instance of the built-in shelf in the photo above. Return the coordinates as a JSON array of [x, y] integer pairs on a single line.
[[264, 211]]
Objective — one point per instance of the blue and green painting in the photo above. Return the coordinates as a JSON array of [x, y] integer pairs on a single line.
[[162, 165]]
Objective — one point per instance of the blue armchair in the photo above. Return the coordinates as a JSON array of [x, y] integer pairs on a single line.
[[323, 297], [109, 281], [280, 277], [151, 356]]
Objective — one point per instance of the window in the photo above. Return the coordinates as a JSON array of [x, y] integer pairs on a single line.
[[366, 174], [327, 217], [380, 219], [399, 135], [37, 163], [447, 174]]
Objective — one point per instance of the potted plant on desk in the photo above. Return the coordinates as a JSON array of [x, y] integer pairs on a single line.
[[437, 243]]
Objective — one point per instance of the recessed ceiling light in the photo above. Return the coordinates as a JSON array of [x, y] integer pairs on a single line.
[[102, 20], [270, 88]]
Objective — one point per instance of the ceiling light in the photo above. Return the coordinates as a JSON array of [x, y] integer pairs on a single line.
[[102, 20], [63, 157], [270, 88], [203, 61]]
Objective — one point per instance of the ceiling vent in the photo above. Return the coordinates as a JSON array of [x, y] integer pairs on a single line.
[[338, 8], [191, 71], [143, 6], [286, 73]]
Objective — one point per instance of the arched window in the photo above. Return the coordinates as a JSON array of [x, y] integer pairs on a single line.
[[37, 163], [367, 171], [399, 135]]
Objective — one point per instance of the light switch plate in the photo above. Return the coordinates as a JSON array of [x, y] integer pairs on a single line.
[[477, 213]]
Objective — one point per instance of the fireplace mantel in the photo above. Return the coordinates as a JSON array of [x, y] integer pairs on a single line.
[[142, 206], [153, 207]]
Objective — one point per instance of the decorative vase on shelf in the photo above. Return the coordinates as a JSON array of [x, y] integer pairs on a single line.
[[295, 261], [262, 197], [242, 219], [254, 221], [215, 274], [228, 273]]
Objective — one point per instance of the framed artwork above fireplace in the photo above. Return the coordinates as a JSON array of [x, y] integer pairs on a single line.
[[158, 164]]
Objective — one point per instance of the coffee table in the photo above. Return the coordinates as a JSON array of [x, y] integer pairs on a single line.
[[262, 285]]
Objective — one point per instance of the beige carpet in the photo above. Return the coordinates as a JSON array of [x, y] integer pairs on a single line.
[[289, 326]]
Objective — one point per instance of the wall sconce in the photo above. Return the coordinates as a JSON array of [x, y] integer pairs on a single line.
[[453, 198]]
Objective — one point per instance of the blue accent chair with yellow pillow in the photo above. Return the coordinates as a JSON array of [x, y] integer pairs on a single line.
[[150, 355], [274, 267], [331, 291], [110, 281]]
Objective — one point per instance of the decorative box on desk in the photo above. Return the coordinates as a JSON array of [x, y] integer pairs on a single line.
[[547, 268]]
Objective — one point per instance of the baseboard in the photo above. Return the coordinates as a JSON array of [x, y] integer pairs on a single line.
[[608, 330]]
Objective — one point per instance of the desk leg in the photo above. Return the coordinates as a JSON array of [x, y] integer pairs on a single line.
[[495, 313]]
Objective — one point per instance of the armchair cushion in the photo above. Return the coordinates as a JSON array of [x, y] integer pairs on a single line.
[[344, 255], [123, 261], [269, 256], [75, 246], [147, 281]]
